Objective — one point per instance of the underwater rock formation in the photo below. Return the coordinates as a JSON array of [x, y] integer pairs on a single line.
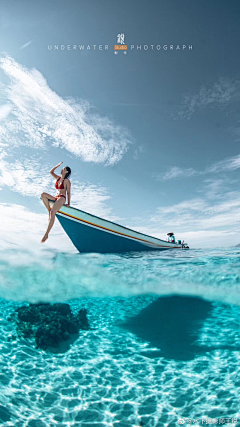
[[50, 324]]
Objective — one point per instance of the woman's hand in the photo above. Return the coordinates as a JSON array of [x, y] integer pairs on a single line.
[[59, 164]]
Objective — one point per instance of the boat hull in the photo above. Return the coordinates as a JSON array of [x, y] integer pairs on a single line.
[[90, 233]]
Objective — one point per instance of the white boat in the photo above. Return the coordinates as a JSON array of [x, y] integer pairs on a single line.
[[90, 233]]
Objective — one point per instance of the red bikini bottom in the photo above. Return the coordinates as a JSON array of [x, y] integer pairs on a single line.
[[61, 195]]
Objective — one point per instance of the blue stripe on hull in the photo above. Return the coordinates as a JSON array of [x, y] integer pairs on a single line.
[[90, 239]]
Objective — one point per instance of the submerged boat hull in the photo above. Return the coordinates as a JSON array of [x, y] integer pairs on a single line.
[[90, 233]]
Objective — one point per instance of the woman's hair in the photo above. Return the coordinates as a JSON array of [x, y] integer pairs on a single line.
[[68, 172]]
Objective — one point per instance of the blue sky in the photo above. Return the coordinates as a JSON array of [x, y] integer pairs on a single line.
[[152, 136]]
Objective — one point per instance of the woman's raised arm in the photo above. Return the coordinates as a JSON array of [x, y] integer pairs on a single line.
[[53, 169]]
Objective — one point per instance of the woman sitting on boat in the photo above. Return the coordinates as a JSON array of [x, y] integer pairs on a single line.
[[171, 237], [63, 185]]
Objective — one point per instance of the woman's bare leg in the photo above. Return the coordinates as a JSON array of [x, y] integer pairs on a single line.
[[45, 197], [57, 205]]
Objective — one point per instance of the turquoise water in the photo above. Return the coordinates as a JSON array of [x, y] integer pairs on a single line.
[[164, 342]]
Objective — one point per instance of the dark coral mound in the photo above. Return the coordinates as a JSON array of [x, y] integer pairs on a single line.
[[50, 324]]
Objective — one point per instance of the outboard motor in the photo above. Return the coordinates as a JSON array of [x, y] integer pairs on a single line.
[[184, 245]]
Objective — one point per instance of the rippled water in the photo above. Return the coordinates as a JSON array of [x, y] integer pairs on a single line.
[[164, 342]]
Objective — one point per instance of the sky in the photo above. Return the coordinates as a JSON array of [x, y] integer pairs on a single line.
[[152, 134]]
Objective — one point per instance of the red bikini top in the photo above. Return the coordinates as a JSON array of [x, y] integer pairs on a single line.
[[61, 185]]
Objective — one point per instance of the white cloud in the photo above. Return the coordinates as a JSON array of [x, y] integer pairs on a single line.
[[204, 219], [25, 177], [214, 188], [221, 93], [232, 201], [26, 44], [210, 238], [229, 164], [139, 150], [174, 172], [91, 198], [36, 117], [5, 110], [226, 219], [40, 115], [196, 204], [21, 228], [30, 178]]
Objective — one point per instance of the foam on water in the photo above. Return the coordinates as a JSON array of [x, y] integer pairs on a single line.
[[125, 371], [47, 276]]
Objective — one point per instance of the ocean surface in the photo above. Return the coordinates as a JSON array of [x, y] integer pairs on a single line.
[[163, 348]]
